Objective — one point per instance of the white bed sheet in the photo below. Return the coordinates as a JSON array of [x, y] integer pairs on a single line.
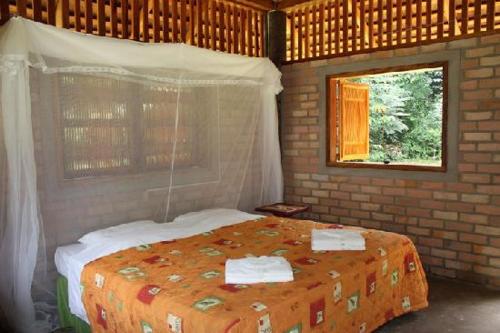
[[71, 259], [63, 257]]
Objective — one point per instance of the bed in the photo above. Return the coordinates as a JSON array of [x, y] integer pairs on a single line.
[[177, 285]]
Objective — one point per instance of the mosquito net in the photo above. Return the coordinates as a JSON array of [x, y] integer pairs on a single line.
[[97, 131]]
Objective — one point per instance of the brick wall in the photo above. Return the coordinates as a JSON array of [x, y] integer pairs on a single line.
[[454, 224]]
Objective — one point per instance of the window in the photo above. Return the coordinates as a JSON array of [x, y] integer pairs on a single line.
[[391, 118], [105, 130]]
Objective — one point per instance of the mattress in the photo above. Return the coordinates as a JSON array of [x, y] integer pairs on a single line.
[[178, 286], [64, 255]]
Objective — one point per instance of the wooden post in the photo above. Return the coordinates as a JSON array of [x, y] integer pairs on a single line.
[[276, 36]]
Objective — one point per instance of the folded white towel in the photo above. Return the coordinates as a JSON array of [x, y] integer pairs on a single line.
[[258, 270], [337, 240]]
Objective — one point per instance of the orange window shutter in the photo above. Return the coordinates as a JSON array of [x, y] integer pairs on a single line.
[[332, 119], [354, 136]]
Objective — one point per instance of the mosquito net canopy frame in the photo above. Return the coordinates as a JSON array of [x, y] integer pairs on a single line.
[[96, 131]]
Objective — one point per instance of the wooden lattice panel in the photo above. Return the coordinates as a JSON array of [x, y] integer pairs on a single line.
[[234, 27], [324, 29]]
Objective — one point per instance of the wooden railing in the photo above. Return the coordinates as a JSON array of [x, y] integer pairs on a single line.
[[234, 27], [325, 29]]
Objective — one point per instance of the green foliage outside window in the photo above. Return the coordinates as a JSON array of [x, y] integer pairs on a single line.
[[406, 111]]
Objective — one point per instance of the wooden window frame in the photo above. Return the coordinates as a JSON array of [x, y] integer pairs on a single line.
[[332, 121]]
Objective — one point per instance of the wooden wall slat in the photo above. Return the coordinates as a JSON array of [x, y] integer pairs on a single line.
[[321, 30], [101, 18], [330, 33], [389, 22], [262, 34], [408, 17], [354, 28], [243, 28], [88, 17], [477, 15], [78, 16], [256, 34], [440, 19], [465, 16], [380, 23], [362, 23], [4, 12], [229, 28], [64, 13], [249, 32], [307, 26], [337, 26], [291, 21], [175, 22], [213, 25], [114, 18], [345, 26], [314, 21], [145, 20], [135, 19], [428, 19], [21, 7], [490, 19], [206, 25], [156, 21], [183, 21], [300, 34], [51, 12], [191, 22], [451, 18], [166, 21], [399, 21], [236, 30], [371, 24], [37, 10], [222, 44], [419, 20], [124, 20], [199, 18]]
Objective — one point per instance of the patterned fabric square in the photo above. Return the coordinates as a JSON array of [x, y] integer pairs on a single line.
[[148, 293], [371, 282], [264, 324], [207, 303], [317, 312], [337, 292], [297, 328], [353, 302], [307, 261], [174, 323], [410, 265], [101, 316]]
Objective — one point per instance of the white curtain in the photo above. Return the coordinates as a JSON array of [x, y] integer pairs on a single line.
[[99, 131]]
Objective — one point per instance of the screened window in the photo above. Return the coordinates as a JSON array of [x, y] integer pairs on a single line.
[[116, 132], [392, 118]]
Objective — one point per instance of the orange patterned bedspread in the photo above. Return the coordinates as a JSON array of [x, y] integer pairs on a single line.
[[178, 286]]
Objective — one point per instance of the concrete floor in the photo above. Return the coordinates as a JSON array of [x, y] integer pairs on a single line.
[[453, 307]]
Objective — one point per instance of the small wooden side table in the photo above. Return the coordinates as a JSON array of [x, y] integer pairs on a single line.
[[282, 209]]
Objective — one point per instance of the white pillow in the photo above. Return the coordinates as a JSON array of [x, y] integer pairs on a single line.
[[121, 231], [212, 218]]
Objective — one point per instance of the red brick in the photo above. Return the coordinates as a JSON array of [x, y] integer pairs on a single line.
[[473, 238]]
